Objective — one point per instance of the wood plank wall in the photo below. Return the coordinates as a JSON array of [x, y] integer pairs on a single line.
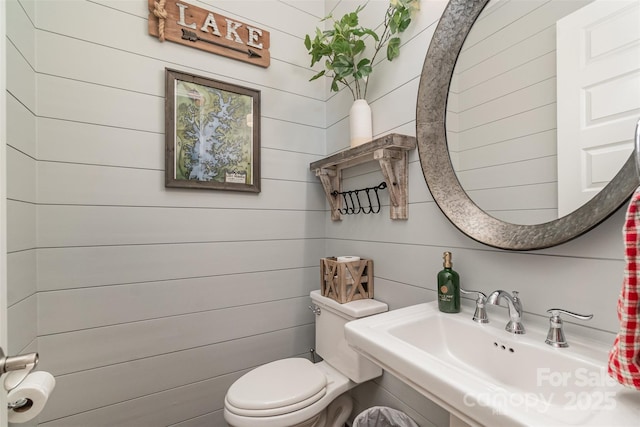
[[584, 275], [150, 303], [21, 179]]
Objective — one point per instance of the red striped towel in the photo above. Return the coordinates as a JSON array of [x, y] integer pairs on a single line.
[[624, 358]]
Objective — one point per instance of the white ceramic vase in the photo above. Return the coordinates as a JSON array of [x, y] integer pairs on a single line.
[[360, 126]]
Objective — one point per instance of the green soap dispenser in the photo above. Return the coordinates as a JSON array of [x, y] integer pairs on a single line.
[[448, 287]]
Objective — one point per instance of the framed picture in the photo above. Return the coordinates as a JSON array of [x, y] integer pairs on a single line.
[[212, 132]]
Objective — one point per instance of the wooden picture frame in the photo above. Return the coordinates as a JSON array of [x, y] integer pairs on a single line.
[[212, 134]]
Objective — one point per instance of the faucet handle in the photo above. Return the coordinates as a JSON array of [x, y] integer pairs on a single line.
[[480, 295], [556, 312], [555, 336], [480, 315]]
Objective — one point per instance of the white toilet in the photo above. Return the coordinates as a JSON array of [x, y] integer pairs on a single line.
[[296, 392]]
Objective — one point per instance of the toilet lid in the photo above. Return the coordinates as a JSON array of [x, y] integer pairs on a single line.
[[278, 385]]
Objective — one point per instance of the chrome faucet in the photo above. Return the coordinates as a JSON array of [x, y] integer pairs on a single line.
[[514, 325]]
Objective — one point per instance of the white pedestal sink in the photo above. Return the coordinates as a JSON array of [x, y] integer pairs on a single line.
[[484, 375]]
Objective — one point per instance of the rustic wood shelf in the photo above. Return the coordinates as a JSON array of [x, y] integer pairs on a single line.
[[391, 152]]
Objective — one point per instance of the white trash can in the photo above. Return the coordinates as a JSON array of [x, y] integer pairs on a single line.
[[382, 416]]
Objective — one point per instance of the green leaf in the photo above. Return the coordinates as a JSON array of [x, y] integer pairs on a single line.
[[393, 48], [358, 47], [363, 69], [328, 65], [317, 76], [343, 65], [341, 46], [394, 22], [350, 19], [372, 34], [334, 86], [342, 71], [363, 62], [404, 24], [322, 51], [404, 20], [307, 42]]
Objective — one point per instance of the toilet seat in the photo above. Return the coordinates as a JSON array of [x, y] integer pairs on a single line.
[[277, 388]]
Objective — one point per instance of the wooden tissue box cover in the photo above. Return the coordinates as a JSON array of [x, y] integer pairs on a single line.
[[346, 281]]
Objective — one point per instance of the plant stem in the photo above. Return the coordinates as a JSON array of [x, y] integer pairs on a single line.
[[383, 39], [344, 82]]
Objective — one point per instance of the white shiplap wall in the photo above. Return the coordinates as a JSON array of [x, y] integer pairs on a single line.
[[3, 188], [582, 275], [21, 178], [151, 302]]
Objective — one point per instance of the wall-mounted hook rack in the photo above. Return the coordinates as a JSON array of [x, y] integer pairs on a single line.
[[365, 206], [391, 152]]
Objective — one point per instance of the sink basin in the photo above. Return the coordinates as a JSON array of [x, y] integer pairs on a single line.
[[486, 376]]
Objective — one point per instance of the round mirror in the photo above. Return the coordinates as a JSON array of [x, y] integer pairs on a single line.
[[486, 117]]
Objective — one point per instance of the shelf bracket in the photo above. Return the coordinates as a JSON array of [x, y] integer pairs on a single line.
[[394, 166], [330, 179]]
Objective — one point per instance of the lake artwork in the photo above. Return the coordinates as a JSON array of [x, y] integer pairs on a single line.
[[213, 134]]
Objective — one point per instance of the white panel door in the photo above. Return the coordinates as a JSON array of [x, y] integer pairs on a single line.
[[598, 69]]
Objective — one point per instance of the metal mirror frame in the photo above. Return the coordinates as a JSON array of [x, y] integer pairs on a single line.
[[450, 34]]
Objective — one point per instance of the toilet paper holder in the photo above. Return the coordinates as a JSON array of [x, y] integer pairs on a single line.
[[23, 362], [17, 363], [19, 404]]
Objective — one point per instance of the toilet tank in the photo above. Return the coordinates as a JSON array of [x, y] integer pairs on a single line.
[[330, 341]]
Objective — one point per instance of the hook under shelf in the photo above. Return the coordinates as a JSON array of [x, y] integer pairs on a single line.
[[350, 209]]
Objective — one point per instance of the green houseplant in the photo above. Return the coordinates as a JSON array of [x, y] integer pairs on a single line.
[[349, 51], [344, 46]]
